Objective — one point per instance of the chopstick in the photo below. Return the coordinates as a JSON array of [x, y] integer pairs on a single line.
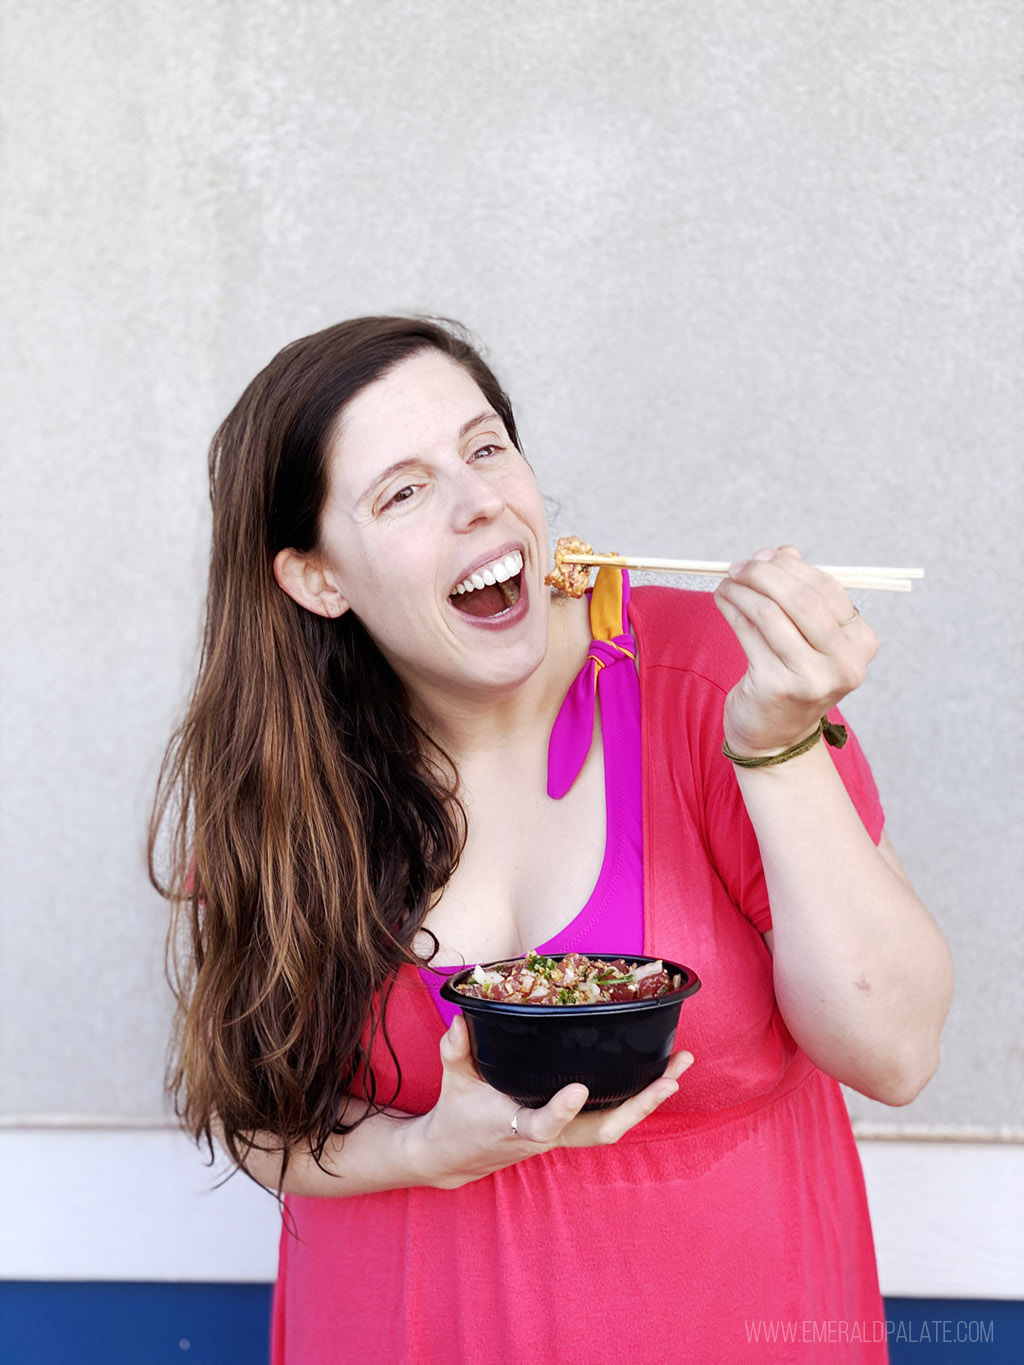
[[850, 576]]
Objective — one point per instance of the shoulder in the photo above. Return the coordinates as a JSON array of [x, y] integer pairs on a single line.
[[683, 630]]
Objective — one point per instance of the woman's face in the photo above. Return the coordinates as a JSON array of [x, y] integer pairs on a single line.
[[427, 494]]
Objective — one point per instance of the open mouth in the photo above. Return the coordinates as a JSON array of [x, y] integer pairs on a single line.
[[491, 589]]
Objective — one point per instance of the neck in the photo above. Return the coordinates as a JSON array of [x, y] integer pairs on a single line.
[[471, 724]]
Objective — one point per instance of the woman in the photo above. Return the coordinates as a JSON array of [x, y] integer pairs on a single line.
[[390, 760]]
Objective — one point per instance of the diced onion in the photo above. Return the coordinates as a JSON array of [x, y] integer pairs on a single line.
[[645, 969], [485, 978]]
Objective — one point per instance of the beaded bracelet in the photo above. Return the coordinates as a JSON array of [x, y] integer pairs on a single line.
[[835, 735]]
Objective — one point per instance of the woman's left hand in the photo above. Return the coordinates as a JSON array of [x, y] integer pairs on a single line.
[[807, 647]]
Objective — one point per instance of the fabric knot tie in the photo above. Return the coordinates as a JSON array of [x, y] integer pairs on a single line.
[[573, 730], [604, 652]]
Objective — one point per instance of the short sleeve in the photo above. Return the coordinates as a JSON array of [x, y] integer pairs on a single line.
[[690, 660]]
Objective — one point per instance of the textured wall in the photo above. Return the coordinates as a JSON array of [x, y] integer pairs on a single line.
[[749, 272]]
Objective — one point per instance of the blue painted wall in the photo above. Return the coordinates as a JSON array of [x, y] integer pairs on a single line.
[[203, 1324], [133, 1324]]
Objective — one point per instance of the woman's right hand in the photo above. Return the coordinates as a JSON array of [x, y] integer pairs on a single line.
[[468, 1134]]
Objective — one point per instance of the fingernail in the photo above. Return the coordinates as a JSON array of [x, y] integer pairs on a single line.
[[764, 554], [736, 568]]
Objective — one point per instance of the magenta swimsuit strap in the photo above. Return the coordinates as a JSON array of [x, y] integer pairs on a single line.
[[612, 920]]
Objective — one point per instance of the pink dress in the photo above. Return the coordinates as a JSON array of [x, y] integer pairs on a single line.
[[730, 1225]]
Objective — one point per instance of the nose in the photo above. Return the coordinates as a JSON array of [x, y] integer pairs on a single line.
[[477, 499]]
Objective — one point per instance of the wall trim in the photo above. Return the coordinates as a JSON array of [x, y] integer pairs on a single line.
[[140, 1204]]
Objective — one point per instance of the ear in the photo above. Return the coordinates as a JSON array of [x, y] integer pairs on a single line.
[[305, 581]]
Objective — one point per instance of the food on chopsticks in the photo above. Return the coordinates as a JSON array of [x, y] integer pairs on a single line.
[[572, 579], [574, 560], [571, 980]]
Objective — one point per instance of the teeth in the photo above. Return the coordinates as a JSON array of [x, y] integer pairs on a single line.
[[498, 571]]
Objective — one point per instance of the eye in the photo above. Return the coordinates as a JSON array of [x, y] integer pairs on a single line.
[[484, 452], [403, 495]]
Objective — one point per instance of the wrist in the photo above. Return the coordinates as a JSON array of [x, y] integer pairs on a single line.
[[833, 733], [415, 1153], [747, 756]]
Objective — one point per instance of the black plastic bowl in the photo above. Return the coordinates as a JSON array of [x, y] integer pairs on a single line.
[[531, 1051]]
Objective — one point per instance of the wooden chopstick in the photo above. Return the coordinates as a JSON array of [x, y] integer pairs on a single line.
[[879, 579]]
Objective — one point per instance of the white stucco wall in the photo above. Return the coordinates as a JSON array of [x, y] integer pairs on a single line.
[[751, 273]]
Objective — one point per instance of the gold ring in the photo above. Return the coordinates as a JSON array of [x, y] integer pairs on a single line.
[[850, 619], [514, 1126]]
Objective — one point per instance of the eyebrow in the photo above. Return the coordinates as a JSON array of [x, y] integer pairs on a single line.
[[411, 460]]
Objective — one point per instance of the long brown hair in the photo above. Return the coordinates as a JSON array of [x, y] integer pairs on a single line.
[[303, 821]]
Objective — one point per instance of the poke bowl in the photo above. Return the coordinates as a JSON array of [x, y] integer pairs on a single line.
[[536, 1023]]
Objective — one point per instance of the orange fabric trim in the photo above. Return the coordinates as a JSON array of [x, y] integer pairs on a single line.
[[606, 604]]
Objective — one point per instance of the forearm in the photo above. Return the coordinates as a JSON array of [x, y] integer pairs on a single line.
[[382, 1153], [862, 973]]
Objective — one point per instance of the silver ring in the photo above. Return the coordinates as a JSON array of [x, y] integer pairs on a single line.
[[850, 619], [514, 1126]]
